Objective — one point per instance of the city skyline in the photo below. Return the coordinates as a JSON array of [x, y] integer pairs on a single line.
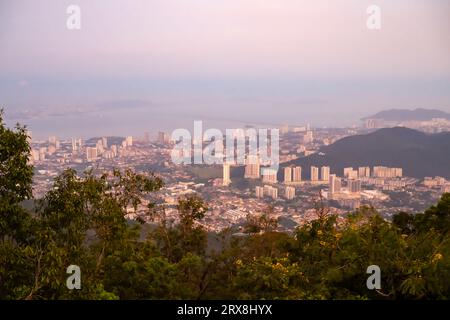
[[245, 150]]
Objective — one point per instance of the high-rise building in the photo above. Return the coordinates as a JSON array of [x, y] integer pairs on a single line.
[[347, 171], [331, 183], [226, 174], [290, 193], [325, 173], [271, 192], [297, 174], [76, 144], [252, 167], [287, 174], [385, 172], [334, 184], [99, 147], [269, 175], [314, 173], [259, 192], [114, 150], [146, 137], [308, 137], [91, 154], [163, 137], [354, 185], [105, 142], [364, 172], [129, 141], [52, 140], [350, 173], [42, 152]]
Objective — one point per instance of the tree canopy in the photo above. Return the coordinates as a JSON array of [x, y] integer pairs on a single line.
[[84, 220]]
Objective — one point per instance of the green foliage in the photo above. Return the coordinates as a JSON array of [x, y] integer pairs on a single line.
[[83, 221], [261, 223], [15, 180]]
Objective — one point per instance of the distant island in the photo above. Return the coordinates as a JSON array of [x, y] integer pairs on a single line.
[[419, 114]]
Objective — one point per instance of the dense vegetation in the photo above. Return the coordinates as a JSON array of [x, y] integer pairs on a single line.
[[81, 221]]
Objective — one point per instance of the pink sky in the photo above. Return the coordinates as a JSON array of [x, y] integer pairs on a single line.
[[260, 46]]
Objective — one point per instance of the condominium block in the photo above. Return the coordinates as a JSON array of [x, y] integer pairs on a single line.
[[325, 173], [364, 172], [269, 175], [290, 193], [334, 184], [226, 175], [252, 167], [297, 174], [287, 175], [314, 173]]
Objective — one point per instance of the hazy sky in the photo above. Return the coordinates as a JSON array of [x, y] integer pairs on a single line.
[[285, 59]]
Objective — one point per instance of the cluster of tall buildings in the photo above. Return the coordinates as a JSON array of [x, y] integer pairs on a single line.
[[386, 172], [364, 172], [266, 191], [335, 186], [102, 149], [377, 172], [163, 137], [350, 173], [91, 151], [253, 170], [53, 144], [269, 176], [272, 192], [292, 174]]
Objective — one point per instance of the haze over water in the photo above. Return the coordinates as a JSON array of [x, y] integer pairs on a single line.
[[140, 65]]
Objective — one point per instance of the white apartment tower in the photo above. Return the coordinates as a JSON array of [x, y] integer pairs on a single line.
[[325, 173], [252, 167], [226, 174], [290, 193], [314, 173], [297, 174], [287, 175]]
